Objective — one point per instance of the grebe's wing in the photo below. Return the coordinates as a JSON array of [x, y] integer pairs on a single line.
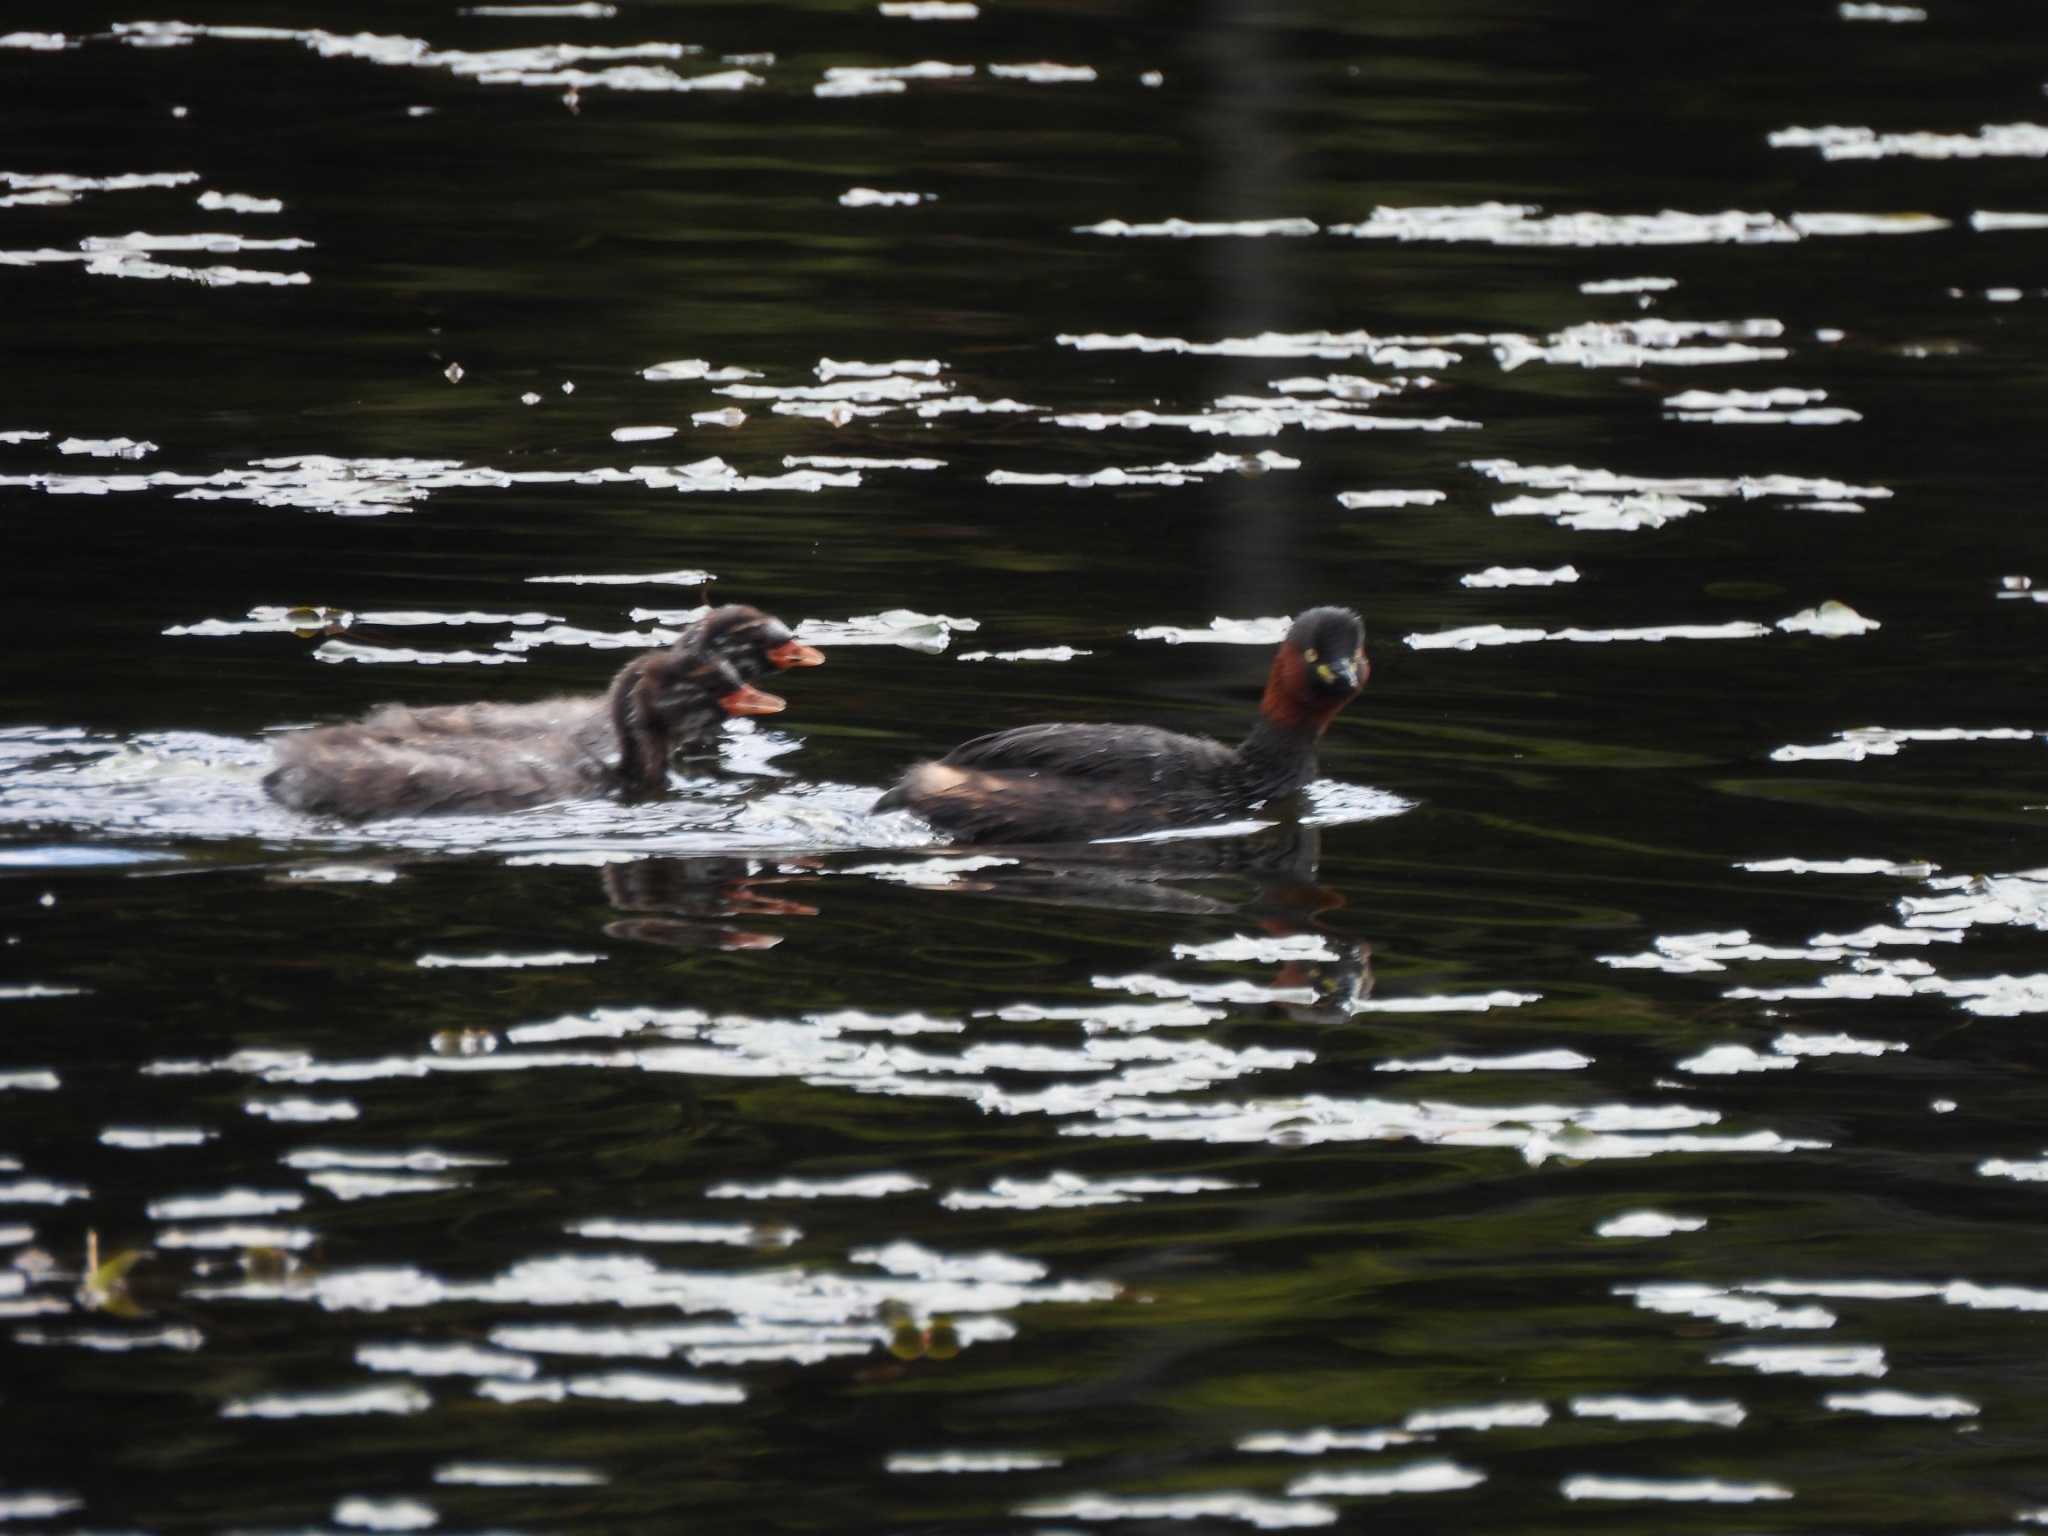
[[1141, 754]]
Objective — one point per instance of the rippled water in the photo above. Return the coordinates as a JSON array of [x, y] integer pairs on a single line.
[[1609, 1094]]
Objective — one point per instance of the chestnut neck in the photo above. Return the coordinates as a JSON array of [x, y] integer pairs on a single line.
[[1281, 749]]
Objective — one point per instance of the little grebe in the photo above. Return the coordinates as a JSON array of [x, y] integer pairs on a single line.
[[399, 761], [753, 643], [1069, 783]]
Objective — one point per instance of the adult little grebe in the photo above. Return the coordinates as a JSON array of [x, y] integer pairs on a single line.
[[501, 757], [1068, 783]]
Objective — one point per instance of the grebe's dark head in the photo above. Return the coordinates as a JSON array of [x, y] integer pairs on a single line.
[[667, 697], [1331, 644], [1319, 668], [753, 642], [675, 683]]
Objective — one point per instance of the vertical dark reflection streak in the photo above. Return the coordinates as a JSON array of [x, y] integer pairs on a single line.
[[1254, 555]]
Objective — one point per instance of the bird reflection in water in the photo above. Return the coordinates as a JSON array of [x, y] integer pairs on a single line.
[[689, 900], [1148, 875]]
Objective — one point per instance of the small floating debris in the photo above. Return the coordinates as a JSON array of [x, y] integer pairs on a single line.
[[1860, 10], [641, 434]]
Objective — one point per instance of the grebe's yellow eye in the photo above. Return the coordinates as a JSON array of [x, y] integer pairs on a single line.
[[1309, 655]]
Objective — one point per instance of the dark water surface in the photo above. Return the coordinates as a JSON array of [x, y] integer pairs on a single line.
[[1612, 1099]]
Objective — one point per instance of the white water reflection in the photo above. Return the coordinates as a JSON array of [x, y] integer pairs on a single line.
[[918, 1463], [1900, 1405], [552, 66], [1517, 224], [1642, 1410], [377, 487], [1476, 635], [1262, 1514], [501, 1474], [1867, 741], [1756, 407], [1418, 1477], [1703, 1490], [323, 1405], [385, 1514], [1994, 140], [1643, 1224], [1186, 229], [1807, 1359]]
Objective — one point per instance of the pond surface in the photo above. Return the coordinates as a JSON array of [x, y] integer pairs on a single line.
[[1611, 1097]]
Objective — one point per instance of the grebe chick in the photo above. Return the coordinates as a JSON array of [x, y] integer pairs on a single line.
[[1070, 783], [751, 642], [487, 757]]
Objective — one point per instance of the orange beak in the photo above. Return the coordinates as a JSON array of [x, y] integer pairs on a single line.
[[749, 700], [794, 653]]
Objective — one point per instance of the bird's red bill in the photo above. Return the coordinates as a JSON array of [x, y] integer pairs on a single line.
[[749, 700], [794, 653]]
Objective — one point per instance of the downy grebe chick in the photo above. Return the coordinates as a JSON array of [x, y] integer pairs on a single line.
[[1069, 783], [751, 642], [617, 743]]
